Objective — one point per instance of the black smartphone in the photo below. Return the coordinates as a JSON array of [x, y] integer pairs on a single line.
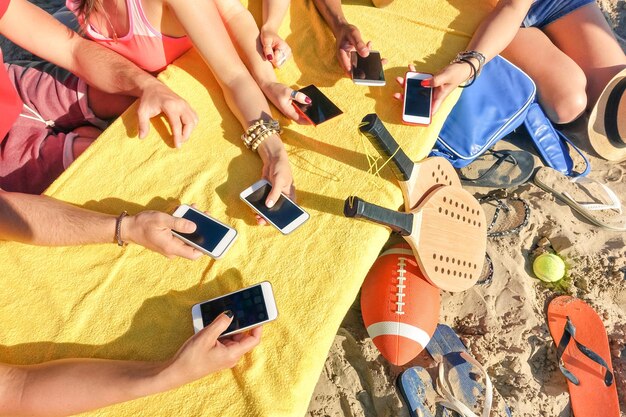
[[368, 70], [321, 108]]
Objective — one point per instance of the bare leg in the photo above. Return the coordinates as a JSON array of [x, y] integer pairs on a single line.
[[86, 136], [560, 81], [105, 105], [585, 36]]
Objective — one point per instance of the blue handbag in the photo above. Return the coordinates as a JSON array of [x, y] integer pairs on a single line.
[[502, 99]]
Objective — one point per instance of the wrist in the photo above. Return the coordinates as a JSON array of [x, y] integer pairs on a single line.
[[271, 148], [127, 229], [339, 24]]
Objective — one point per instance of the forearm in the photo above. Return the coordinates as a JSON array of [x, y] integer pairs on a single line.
[[499, 28], [245, 34], [274, 13], [121, 75], [332, 13], [71, 386], [41, 220]]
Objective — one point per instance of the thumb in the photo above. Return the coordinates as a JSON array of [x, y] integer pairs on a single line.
[[436, 80], [181, 225], [273, 196], [218, 326], [268, 52], [143, 117]]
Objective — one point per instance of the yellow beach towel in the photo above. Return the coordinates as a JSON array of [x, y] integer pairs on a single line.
[[107, 302]]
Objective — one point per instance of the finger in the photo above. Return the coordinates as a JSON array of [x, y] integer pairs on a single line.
[[180, 224], [357, 41], [189, 124], [144, 122], [400, 80], [182, 250], [344, 60], [216, 328], [291, 113], [301, 98], [260, 221], [176, 126], [384, 61], [412, 68], [398, 96], [268, 52], [274, 195], [247, 343]]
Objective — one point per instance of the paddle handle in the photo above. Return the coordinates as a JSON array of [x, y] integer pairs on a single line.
[[386, 145], [398, 222]]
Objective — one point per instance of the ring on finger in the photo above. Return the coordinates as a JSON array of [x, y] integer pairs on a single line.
[[293, 94]]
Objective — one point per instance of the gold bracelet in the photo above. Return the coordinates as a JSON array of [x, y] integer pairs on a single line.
[[258, 132]]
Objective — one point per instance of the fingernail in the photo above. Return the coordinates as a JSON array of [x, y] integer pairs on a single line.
[[308, 100], [229, 314], [426, 83], [270, 57], [270, 203]]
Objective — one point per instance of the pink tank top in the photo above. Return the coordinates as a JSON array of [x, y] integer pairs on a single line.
[[143, 44]]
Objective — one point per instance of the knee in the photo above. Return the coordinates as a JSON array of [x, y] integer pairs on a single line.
[[570, 104]]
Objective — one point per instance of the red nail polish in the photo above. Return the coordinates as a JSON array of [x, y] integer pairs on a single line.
[[270, 57], [307, 100], [426, 83]]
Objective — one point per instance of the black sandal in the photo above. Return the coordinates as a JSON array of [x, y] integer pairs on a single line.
[[510, 213]]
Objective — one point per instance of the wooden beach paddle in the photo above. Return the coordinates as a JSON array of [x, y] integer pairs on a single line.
[[447, 232], [416, 179]]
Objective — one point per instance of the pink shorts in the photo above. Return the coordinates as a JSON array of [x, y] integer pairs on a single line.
[[38, 148]]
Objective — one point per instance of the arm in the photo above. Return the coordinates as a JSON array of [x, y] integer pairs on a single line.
[[347, 36], [42, 220], [493, 35], [245, 34], [275, 49], [71, 386], [97, 65], [204, 25]]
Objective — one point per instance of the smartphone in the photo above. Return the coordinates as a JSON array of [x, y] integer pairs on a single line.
[[285, 215], [418, 100], [367, 71], [321, 108], [251, 307], [211, 236]]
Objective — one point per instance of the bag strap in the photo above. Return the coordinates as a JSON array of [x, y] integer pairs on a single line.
[[569, 333], [571, 144]]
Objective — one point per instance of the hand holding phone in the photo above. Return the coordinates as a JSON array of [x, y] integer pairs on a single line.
[[320, 109], [250, 307], [285, 215], [418, 99], [368, 70], [211, 237]]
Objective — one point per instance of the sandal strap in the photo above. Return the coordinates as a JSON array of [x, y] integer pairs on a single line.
[[615, 203], [569, 334], [501, 157], [452, 403]]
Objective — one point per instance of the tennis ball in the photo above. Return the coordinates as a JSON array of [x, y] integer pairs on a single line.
[[549, 267]]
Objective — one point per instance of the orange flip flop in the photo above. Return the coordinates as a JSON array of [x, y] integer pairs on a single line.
[[584, 357]]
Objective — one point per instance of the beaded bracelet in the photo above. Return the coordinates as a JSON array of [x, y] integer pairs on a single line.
[[258, 132], [118, 228]]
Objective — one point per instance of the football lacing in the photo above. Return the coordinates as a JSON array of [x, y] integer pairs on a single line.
[[400, 285]]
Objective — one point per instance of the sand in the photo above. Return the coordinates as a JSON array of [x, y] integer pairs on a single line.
[[503, 323]]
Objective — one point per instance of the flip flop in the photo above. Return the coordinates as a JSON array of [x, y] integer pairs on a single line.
[[509, 214], [584, 357], [591, 199], [499, 169], [464, 372], [418, 392]]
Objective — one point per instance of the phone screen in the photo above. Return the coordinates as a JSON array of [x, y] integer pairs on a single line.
[[248, 307], [283, 213], [417, 100], [321, 108], [369, 68], [208, 232]]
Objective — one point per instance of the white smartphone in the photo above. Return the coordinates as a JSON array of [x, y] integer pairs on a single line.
[[418, 100], [251, 307], [211, 236], [286, 215], [367, 71]]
